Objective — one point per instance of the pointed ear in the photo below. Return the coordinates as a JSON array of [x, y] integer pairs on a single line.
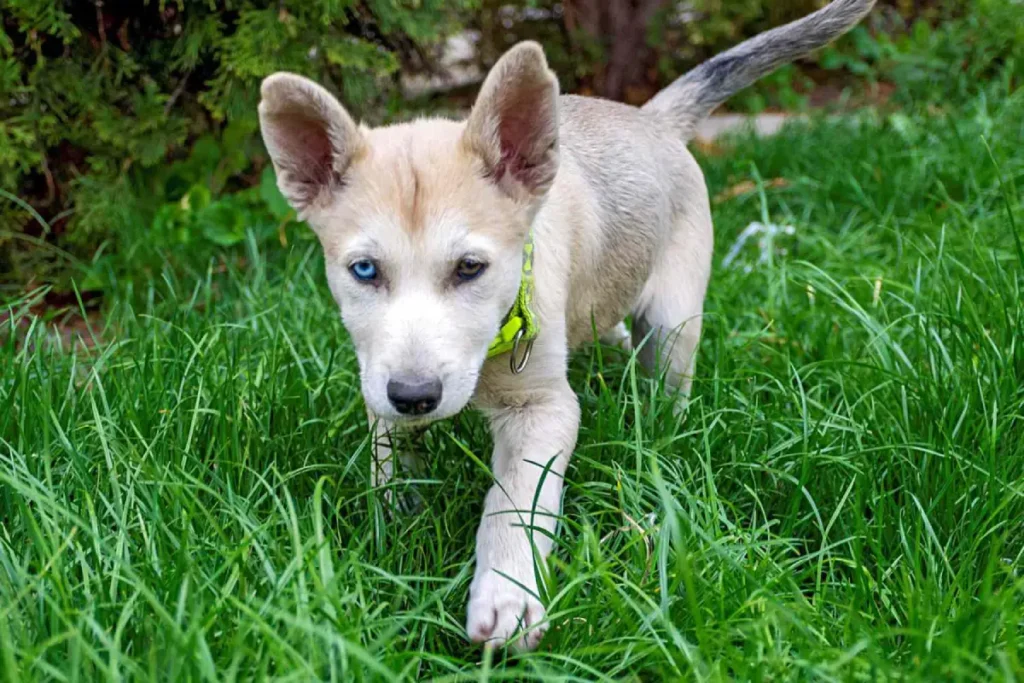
[[513, 127], [309, 135]]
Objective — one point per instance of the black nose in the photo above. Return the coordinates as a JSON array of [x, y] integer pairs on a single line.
[[414, 397]]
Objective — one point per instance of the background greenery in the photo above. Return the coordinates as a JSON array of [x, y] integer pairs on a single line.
[[111, 112], [128, 135], [184, 462]]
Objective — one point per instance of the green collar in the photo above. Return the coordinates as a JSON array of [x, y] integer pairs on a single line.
[[520, 325]]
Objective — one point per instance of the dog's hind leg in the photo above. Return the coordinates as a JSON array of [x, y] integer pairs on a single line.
[[668, 316]]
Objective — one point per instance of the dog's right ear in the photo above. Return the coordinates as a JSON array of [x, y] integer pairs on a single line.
[[309, 135]]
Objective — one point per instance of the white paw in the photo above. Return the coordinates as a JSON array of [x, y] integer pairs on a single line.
[[618, 336], [500, 609]]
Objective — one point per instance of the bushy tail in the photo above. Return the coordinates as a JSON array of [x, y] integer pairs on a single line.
[[694, 95]]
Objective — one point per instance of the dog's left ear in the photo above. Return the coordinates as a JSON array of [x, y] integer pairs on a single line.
[[513, 127]]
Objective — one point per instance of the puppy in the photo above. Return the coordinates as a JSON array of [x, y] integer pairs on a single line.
[[468, 258]]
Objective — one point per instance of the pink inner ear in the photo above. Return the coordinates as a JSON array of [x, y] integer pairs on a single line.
[[527, 132], [515, 133], [309, 150], [518, 139]]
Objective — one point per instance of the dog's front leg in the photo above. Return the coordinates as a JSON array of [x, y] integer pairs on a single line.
[[392, 446], [533, 442]]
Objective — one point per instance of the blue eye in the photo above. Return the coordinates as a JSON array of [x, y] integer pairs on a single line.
[[364, 270]]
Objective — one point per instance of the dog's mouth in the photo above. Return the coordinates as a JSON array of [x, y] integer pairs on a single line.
[[413, 426], [417, 422]]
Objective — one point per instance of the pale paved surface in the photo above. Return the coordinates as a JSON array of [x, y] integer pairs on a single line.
[[764, 124]]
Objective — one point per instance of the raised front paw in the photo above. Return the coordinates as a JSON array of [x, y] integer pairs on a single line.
[[500, 610]]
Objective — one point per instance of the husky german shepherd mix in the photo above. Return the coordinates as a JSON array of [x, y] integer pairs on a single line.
[[469, 257]]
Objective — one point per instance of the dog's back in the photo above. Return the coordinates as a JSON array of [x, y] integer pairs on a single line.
[[639, 181], [637, 178]]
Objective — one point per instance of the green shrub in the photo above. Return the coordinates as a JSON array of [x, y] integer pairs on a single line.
[[112, 110]]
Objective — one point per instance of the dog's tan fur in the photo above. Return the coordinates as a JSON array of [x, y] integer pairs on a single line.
[[621, 223]]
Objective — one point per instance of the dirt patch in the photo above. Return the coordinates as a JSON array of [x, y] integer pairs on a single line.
[[64, 326]]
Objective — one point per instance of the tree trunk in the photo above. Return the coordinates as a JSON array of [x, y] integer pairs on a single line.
[[620, 27]]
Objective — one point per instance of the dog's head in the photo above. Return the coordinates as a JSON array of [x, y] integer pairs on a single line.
[[422, 224]]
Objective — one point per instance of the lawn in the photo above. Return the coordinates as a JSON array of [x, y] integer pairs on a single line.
[[186, 496]]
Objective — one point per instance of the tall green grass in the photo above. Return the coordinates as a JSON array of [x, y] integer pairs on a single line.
[[187, 496]]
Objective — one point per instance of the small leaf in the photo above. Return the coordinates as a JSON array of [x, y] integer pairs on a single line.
[[222, 223], [196, 199], [272, 197], [168, 220], [830, 59]]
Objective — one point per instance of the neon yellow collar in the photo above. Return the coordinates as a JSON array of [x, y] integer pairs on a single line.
[[520, 325]]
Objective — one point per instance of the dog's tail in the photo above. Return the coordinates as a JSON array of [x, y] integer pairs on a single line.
[[694, 95]]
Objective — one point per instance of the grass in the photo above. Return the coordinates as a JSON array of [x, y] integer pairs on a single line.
[[189, 498]]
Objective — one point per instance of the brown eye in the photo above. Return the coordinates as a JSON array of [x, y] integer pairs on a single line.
[[469, 269]]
